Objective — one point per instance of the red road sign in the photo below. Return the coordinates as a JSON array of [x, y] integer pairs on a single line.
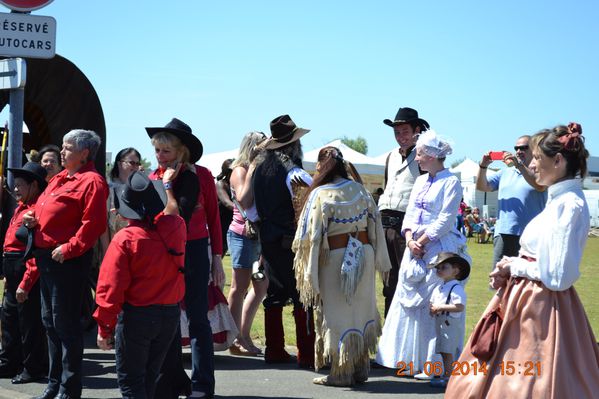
[[25, 5]]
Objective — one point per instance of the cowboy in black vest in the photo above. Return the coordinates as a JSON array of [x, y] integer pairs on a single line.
[[275, 181]]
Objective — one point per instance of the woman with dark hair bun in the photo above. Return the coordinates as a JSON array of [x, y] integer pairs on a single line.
[[545, 347], [339, 245]]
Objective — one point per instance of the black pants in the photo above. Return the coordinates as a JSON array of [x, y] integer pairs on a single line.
[[23, 336], [143, 336], [62, 286], [281, 277], [505, 245], [396, 246]]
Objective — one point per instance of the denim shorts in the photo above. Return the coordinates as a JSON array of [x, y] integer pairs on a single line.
[[243, 250]]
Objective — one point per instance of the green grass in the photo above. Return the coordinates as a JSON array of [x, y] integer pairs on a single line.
[[476, 289]]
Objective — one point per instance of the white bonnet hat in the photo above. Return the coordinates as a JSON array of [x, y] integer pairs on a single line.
[[433, 145]]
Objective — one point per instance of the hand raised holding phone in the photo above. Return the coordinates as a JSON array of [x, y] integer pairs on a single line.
[[496, 155]]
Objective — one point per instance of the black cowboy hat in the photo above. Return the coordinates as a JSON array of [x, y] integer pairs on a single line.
[[183, 132], [406, 115], [32, 170], [454, 259], [140, 197], [283, 131]]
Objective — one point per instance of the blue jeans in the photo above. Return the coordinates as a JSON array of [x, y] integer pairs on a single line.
[[143, 335], [197, 272], [244, 251], [62, 286]]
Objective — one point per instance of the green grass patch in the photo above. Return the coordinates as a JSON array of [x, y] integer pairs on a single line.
[[476, 289]]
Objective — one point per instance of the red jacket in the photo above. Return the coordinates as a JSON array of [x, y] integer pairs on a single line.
[[142, 267], [12, 244]]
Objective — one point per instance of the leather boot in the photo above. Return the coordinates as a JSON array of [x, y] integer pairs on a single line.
[[275, 336], [304, 332]]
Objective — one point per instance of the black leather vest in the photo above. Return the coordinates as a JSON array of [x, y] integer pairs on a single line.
[[273, 200]]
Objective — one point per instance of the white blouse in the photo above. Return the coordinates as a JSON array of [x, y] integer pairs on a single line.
[[555, 239], [433, 205]]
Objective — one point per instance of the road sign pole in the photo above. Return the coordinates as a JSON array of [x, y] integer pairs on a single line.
[[15, 131]]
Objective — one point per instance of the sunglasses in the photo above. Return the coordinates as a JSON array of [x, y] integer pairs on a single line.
[[132, 163], [520, 147]]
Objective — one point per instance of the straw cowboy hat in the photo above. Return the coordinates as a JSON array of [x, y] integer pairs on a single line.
[[283, 131], [183, 132]]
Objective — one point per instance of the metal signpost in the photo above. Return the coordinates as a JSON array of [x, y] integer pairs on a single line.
[[21, 35]]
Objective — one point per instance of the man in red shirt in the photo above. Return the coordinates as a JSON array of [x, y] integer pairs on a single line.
[[23, 337], [141, 284], [67, 220]]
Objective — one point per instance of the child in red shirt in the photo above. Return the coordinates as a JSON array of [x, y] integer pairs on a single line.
[[141, 283]]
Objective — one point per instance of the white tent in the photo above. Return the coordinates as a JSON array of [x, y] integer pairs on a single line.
[[467, 171], [381, 159], [364, 164], [371, 170], [215, 160], [592, 197]]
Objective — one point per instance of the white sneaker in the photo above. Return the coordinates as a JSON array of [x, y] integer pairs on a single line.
[[423, 377]]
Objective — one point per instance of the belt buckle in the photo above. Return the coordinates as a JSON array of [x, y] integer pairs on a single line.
[[386, 221]]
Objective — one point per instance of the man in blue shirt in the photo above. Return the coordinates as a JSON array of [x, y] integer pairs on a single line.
[[520, 198]]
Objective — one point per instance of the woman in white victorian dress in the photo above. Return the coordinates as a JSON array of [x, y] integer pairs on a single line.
[[429, 228]]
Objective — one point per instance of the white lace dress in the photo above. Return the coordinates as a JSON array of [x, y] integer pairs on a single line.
[[409, 329]]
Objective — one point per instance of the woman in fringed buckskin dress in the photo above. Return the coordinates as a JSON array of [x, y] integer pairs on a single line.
[[346, 318], [546, 347]]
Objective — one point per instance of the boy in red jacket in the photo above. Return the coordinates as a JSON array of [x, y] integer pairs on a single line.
[[141, 283]]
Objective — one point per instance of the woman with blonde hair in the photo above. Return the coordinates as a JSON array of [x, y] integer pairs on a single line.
[[195, 191], [244, 248]]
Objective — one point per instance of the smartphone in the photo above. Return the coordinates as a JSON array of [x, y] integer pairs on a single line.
[[496, 155]]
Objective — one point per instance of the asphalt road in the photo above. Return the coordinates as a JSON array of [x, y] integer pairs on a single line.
[[238, 377]]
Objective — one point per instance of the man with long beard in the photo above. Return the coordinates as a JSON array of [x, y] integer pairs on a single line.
[[278, 180]]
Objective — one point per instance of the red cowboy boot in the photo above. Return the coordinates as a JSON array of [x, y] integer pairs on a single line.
[[275, 336], [304, 332]]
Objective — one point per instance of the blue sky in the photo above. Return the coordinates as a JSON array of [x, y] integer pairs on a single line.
[[482, 73]]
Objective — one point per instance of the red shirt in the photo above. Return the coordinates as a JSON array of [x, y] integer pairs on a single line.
[[205, 220], [12, 244], [72, 211], [30, 277], [138, 270]]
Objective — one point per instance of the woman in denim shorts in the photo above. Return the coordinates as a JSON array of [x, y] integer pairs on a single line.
[[243, 249]]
